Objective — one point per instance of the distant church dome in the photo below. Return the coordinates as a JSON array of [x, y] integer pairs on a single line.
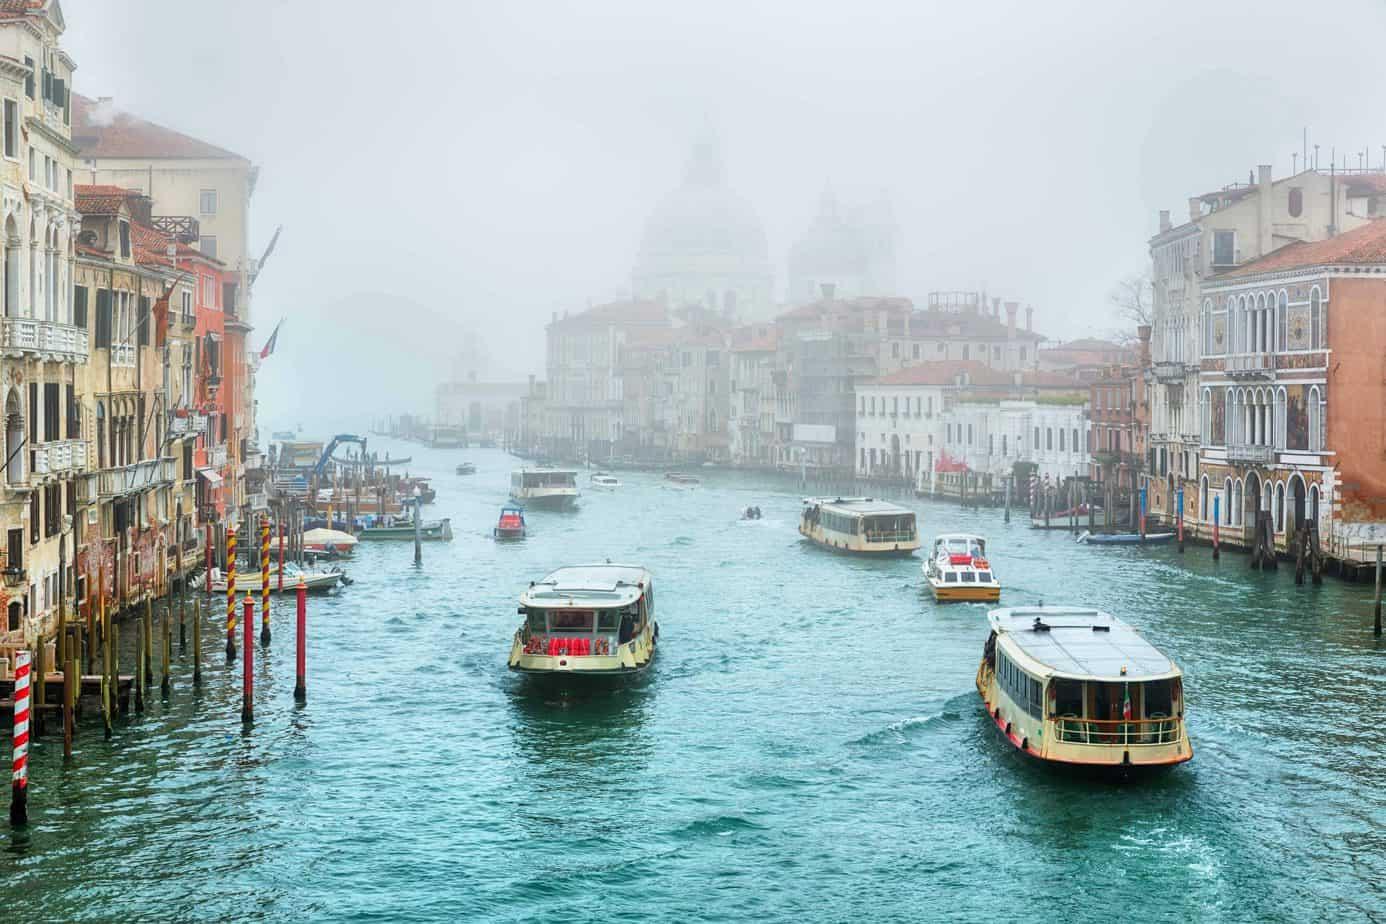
[[704, 244], [830, 246], [851, 250]]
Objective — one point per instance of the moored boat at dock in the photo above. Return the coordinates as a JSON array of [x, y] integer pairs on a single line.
[[587, 621], [859, 525], [314, 580], [544, 487], [1079, 687], [1088, 538], [958, 569], [403, 529]]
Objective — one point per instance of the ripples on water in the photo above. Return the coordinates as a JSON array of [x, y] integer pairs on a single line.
[[808, 744]]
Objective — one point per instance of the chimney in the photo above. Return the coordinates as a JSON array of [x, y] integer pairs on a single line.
[[141, 210], [1263, 209], [1011, 309], [827, 289], [1195, 208], [1030, 318], [1164, 220]]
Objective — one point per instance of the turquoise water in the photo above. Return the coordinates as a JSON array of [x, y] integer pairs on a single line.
[[808, 745]]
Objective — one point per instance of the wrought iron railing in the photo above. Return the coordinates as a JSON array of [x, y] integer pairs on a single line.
[[1155, 730]]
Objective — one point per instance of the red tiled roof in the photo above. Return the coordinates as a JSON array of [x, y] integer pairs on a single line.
[[14, 9], [1364, 245], [98, 130], [1365, 184], [826, 306], [100, 200], [628, 312], [91, 251]]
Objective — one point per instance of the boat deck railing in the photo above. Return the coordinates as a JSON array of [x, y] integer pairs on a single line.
[[1155, 730], [899, 535]]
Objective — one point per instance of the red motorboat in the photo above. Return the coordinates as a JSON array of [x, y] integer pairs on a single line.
[[511, 524]]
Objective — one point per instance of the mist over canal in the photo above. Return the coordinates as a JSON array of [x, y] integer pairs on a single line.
[[808, 742]]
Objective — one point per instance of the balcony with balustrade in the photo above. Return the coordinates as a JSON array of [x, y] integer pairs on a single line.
[[57, 457], [1250, 454], [135, 477], [1173, 373], [1250, 366], [123, 355], [46, 340]]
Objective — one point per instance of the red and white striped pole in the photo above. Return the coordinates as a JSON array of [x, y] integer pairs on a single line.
[[301, 681], [264, 581], [19, 792], [280, 524], [248, 678]]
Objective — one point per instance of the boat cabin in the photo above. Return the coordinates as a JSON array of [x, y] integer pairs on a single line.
[[587, 619], [958, 569], [1079, 686], [861, 525]]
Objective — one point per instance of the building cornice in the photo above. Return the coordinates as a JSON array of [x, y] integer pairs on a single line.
[[43, 128], [1295, 274]]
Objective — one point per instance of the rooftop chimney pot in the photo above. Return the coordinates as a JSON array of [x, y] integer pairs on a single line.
[[1164, 220], [1029, 318]]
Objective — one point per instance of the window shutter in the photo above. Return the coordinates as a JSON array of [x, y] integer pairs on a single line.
[[29, 78], [79, 306], [144, 321], [59, 91], [103, 317], [47, 84]]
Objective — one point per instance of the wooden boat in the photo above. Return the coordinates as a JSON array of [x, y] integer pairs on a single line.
[[403, 530], [315, 580], [1124, 538], [511, 524], [466, 468], [544, 487], [1060, 519], [860, 525], [329, 542], [587, 621], [1079, 687], [958, 569]]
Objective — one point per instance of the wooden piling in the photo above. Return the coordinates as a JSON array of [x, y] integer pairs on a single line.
[[1299, 555], [1217, 510], [183, 619], [115, 664], [139, 666], [248, 675], [301, 678], [40, 688], [1376, 620], [107, 697], [148, 648], [164, 685], [70, 676], [92, 607], [197, 643]]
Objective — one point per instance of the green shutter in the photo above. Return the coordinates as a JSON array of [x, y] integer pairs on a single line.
[[144, 321], [103, 317], [79, 307]]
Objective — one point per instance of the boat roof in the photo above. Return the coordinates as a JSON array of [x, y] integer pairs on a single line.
[[1079, 643], [965, 537], [547, 471], [862, 506], [589, 586]]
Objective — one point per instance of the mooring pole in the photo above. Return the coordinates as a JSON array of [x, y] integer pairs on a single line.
[[264, 581], [70, 676], [207, 574], [1376, 624], [1008, 499], [418, 527], [248, 677], [19, 787], [279, 522], [301, 675], [148, 649], [1179, 517], [164, 685], [230, 595], [197, 643], [1217, 511]]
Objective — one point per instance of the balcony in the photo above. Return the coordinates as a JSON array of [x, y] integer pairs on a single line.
[[58, 457], [1250, 366], [183, 227], [128, 479], [1170, 373], [47, 339], [216, 457], [1253, 455], [123, 355]]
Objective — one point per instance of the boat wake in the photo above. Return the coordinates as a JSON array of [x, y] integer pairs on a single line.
[[901, 731], [720, 826]]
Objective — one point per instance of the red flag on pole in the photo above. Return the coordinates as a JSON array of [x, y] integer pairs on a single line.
[[269, 344]]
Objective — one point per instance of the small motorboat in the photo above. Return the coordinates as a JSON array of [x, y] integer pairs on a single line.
[[328, 543], [751, 513], [1124, 538], [401, 529], [958, 569], [682, 479], [511, 524], [314, 580], [605, 481], [466, 468], [1060, 519]]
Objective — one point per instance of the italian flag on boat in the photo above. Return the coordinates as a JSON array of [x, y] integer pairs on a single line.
[[1126, 704]]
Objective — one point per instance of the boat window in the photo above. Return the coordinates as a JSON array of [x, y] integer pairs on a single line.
[[1025, 691], [969, 577], [1068, 697], [573, 620], [536, 620], [950, 577], [984, 576], [1159, 698], [608, 620]]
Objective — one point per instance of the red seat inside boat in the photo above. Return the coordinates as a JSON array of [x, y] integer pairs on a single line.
[[959, 558]]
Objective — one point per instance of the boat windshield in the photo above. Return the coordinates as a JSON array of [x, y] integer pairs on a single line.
[[889, 528]]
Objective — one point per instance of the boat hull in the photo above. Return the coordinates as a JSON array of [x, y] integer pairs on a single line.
[[897, 550], [631, 659], [952, 593], [435, 533], [548, 501], [508, 534]]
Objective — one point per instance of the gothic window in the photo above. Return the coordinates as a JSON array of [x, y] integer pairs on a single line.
[[1315, 318], [1296, 202]]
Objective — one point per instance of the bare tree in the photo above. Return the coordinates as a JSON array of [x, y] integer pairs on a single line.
[[1131, 297]]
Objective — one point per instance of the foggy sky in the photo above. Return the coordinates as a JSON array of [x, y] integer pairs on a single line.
[[493, 162]]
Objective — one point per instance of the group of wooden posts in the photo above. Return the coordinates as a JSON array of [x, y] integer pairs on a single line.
[[74, 645]]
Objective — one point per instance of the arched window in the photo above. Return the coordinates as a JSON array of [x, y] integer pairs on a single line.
[[1205, 513], [1279, 511], [1313, 503], [1315, 318], [1205, 416], [1048, 437], [1296, 202], [1315, 420], [1225, 514], [1278, 418], [1208, 326], [1075, 439], [1061, 439]]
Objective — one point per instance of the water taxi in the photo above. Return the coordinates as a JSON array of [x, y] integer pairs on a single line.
[[466, 468], [682, 479], [1079, 687], [587, 621], [511, 524], [958, 569], [544, 487], [605, 481], [860, 525]]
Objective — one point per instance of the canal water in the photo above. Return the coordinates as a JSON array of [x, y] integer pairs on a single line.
[[808, 745]]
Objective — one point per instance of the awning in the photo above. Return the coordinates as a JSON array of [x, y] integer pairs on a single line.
[[210, 475]]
